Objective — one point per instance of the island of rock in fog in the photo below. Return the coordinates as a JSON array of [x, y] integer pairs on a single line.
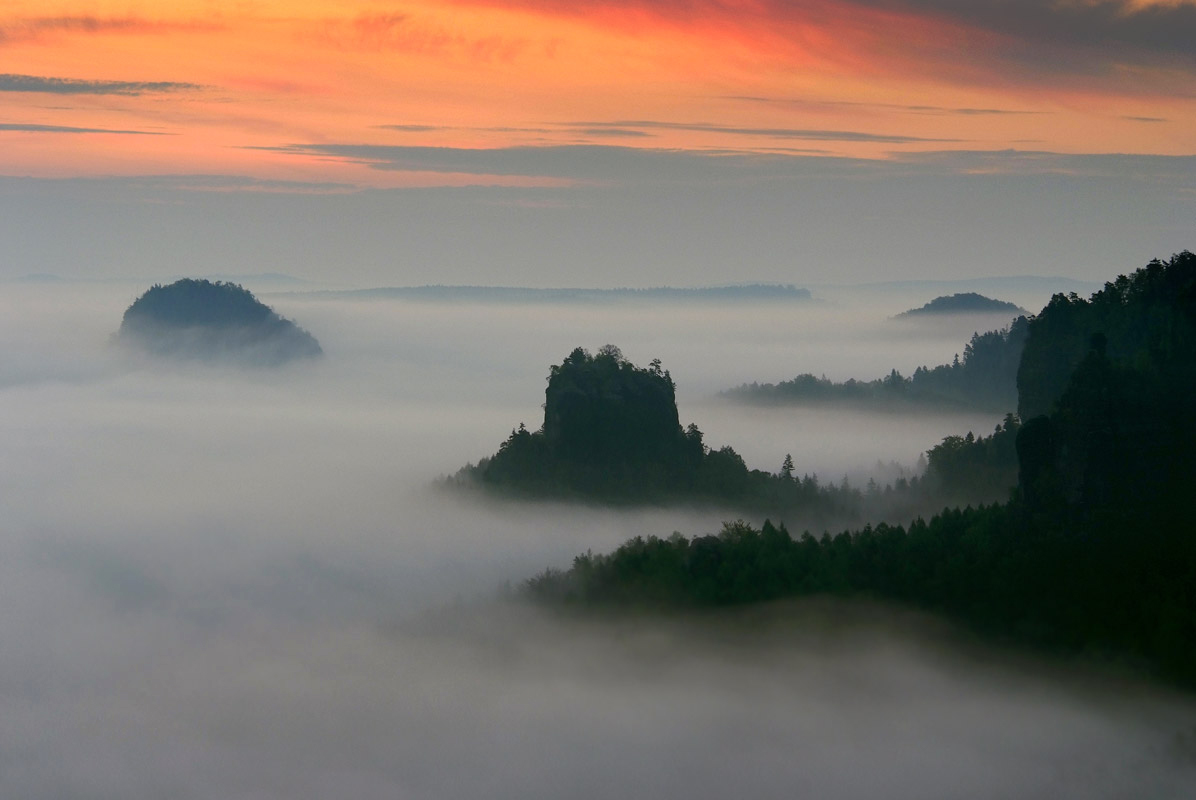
[[223, 322], [963, 303]]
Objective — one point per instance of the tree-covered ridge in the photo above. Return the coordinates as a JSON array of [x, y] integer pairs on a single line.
[[612, 434], [1095, 551], [963, 303], [985, 378], [1146, 321], [208, 320], [1122, 432]]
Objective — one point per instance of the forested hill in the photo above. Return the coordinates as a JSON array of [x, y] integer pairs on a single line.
[[199, 319], [962, 303], [1095, 553], [611, 434], [985, 378], [1143, 321]]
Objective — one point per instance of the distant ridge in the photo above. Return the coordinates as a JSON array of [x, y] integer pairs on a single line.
[[987, 284], [748, 293], [1038, 284]]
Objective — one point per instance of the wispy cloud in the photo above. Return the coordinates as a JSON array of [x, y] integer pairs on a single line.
[[478, 128], [409, 33], [24, 29], [30, 127], [814, 134], [614, 164], [898, 107], [229, 183], [413, 128], [613, 132], [33, 83]]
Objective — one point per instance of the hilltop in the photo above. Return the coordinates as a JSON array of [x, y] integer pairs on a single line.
[[963, 303], [213, 321]]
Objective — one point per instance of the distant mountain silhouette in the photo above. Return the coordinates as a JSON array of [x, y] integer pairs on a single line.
[[963, 303], [202, 320], [745, 293]]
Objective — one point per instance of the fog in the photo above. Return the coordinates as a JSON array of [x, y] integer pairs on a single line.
[[220, 583]]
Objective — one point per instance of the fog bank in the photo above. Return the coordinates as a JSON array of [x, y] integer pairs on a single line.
[[220, 583]]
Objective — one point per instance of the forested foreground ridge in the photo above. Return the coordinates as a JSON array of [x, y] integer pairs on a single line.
[[202, 320], [612, 435], [1095, 551], [985, 378]]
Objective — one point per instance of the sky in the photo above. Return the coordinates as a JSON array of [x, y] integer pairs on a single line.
[[630, 142]]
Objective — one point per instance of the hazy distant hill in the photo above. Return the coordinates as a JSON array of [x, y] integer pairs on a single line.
[[199, 319], [749, 293], [963, 303], [985, 378]]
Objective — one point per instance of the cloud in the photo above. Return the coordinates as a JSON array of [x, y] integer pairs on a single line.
[[412, 128], [1117, 27], [640, 165], [229, 183], [238, 586], [775, 133], [585, 162], [408, 33], [1125, 25], [37, 128], [612, 132], [33, 83], [900, 107], [29, 28], [476, 128], [975, 41]]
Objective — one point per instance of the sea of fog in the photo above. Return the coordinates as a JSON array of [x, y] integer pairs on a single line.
[[226, 584]]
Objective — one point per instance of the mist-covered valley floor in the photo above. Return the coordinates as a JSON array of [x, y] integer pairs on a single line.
[[218, 583]]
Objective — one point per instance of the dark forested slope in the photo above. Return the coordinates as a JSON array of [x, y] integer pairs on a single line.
[[1095, 553], [985, 378], [612, 434]]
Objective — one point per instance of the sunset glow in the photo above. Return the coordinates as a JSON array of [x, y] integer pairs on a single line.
[[125, 88]]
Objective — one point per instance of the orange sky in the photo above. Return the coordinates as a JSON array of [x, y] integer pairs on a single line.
[[253, 88]]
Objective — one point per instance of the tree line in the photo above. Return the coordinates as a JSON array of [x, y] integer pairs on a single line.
[[1094, 552], [985, 378]]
